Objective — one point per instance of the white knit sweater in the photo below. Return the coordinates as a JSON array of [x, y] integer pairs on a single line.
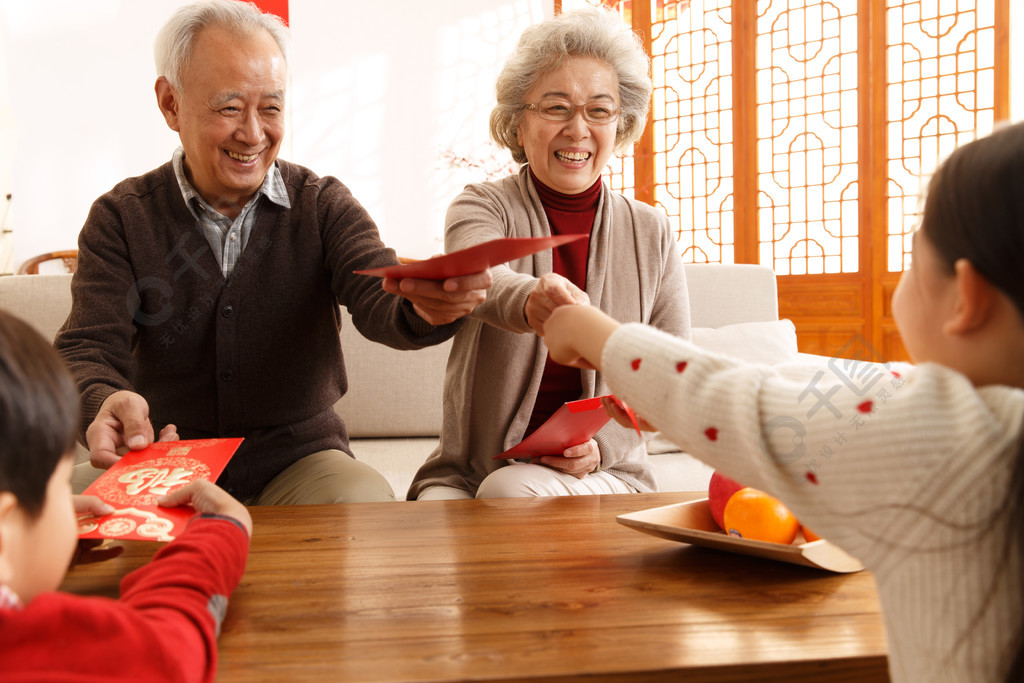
[[907, 472]]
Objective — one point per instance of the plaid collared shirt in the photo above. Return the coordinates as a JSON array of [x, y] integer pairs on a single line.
[[228, 237]]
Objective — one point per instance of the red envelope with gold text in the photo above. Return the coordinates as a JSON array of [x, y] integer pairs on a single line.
[[139, 478]]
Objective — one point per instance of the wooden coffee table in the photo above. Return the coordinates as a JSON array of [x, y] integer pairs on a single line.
[[542, 589]]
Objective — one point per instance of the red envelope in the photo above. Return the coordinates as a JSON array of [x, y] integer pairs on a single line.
[[574, 423], [135, 482], [472, 259]]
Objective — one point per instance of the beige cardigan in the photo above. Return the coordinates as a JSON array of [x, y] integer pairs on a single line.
[[634, 273]]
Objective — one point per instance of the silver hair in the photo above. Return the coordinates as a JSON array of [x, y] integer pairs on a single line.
[[544, 47], [177, 39]]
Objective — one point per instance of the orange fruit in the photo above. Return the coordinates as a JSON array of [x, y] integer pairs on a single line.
[[809, 535], [755, 515]]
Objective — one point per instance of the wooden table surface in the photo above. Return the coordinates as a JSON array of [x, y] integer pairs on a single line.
[[540, 589]]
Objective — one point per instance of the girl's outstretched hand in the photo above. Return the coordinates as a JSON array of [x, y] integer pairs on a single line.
[[576, 335], [625, 416]]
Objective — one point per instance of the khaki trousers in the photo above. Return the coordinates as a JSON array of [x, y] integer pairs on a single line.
[[325, 477]]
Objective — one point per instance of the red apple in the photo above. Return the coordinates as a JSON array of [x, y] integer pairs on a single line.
[[720, 490]]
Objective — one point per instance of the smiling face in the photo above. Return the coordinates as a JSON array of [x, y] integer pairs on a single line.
[[229, 114], [568, 156]]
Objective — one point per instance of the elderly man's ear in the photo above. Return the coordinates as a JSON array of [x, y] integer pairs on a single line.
[[167, 99]]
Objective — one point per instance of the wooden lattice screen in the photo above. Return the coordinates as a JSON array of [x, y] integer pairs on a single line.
[[797, 134]]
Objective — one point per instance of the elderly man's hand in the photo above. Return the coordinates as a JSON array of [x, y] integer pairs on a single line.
[[122, 423], [440, 302], [550, 292]]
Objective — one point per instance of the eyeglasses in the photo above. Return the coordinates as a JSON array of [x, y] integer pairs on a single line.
[[562, 110]]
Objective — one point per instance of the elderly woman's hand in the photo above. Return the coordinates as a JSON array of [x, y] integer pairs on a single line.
[[550, 292], [579, 460]]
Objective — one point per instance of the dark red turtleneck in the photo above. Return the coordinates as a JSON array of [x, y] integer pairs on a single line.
[[568, 214]]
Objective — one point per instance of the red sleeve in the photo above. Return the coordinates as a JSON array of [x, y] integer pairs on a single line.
[[164, 626]]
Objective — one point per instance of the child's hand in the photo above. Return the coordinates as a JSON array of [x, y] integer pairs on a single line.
[[576, 335], [91, 505], [92, 550], [617, 409], [205, 496]]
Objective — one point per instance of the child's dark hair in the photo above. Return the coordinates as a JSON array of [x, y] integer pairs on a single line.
[[974, 210], [39, 408]]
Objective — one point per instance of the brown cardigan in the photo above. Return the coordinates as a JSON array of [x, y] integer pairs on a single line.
[[256, 355]]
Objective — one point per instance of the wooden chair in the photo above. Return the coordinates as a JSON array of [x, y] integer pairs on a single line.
[[68, 256]]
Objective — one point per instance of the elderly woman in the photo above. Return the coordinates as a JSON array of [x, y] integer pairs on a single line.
[[575, 90]]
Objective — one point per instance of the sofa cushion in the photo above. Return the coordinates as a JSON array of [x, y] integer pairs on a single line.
[[43, 301], [768, 342], [396, 459], [391, 393], [727, 294]]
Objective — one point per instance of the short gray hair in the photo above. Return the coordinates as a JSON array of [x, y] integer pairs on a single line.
[[177, 39], [546, 46]]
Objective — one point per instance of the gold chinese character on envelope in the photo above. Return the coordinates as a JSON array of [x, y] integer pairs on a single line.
[[135, 483]]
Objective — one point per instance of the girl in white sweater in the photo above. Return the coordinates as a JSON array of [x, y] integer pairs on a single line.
[[920, 473]]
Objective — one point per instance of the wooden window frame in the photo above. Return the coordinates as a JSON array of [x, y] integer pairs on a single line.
[[844, 314]]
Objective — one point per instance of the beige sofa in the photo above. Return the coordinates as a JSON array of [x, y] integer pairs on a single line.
[[393, 408]]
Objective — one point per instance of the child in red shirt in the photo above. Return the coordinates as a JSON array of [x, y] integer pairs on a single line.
[[165, 625]]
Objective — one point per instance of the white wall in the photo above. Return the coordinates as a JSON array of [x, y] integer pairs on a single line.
[[382, 113], [381, 96]]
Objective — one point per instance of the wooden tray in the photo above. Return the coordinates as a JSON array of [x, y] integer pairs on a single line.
[[692, 523]]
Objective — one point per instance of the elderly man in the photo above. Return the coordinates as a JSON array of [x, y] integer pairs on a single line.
[[207, 291]]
